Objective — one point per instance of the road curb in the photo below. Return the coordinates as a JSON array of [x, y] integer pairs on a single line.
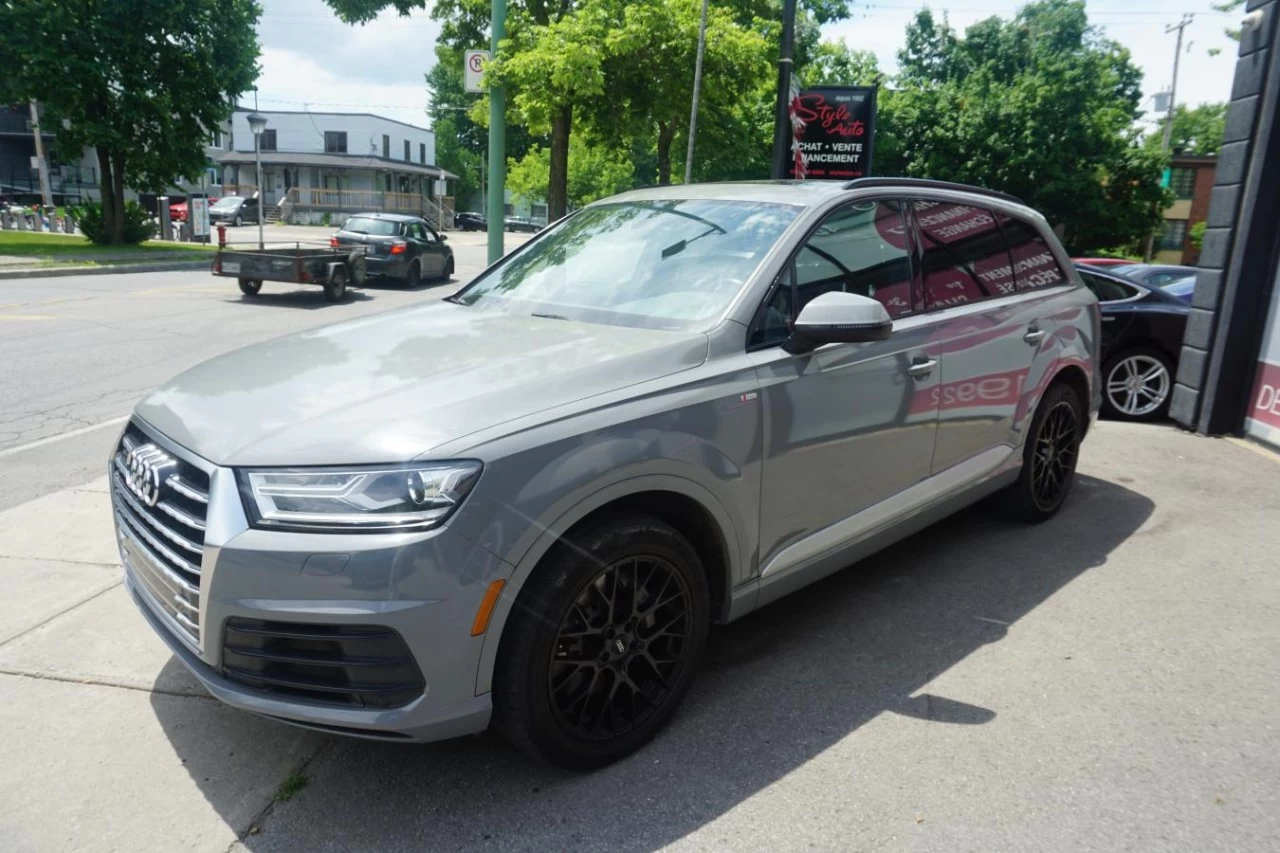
[[108, 269]]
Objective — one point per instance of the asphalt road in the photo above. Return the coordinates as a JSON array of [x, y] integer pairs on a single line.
[[79, 351]]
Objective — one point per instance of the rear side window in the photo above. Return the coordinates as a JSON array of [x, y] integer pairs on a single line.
[[1106, 289], [1033, 263], [965, 258]]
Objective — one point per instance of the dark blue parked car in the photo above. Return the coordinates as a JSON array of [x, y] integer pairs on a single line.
[[1142, 330]]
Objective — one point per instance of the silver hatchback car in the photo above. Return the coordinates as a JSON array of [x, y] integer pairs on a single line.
[[524, 505]]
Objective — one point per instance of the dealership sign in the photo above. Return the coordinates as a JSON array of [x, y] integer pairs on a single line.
[[833, 133]]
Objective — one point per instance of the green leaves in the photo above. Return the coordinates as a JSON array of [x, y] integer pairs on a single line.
[[1196, 130]]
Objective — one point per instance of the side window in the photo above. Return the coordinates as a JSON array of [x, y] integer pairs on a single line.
[[1107, 290], [965, 258], [861, 249], [1033, 263], [772, 324], [428, 233], [415, 231]]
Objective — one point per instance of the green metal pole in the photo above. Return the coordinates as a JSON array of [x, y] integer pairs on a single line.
[[497, 140]]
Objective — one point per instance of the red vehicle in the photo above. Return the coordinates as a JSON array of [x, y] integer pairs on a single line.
[[178, 210], [1101, 262]]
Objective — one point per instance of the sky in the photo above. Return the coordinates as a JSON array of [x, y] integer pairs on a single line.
[[312, 61]]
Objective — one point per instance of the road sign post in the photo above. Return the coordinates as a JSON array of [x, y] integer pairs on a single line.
[[497, 139]]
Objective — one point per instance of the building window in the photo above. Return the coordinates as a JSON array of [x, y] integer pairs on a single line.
[[407, 158], [335, 142], [315, 177], [1174, 235], [422, 153], [215, 139], [386, 147], [508, 209], [539, 211], [1182, 182], [268, 140]]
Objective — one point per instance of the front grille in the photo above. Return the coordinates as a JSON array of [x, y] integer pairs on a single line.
[[361, 666], [161, 502]]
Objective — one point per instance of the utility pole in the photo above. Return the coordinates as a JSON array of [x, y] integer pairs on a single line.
[[497, 137], [697, 89], [782, 115], [1181, 26], [45, 194]]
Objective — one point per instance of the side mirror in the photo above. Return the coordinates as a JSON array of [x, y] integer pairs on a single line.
[[444, 238], [838, 318]]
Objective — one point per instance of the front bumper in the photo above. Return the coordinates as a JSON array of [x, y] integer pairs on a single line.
[[425, 586]]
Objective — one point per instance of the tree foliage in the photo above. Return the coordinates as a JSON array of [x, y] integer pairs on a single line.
[[834, 63], [1040, 106], [595, 171], [1196, 130], [142, 81]]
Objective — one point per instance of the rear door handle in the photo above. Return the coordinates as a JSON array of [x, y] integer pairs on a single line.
[[1034, 335], [922, 367]]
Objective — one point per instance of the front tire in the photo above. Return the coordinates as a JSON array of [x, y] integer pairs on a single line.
[[1137, 385], [1049, 457], [448, 270], [237, 222], [603, 643]]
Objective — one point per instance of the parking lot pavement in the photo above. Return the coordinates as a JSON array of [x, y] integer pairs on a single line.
[[1107, 681]]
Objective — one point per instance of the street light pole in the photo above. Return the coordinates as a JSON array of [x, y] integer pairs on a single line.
[[782, 115], [497, 137], [258, 123], [697, 89]]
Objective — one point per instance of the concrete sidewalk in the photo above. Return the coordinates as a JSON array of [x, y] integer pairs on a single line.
[[1108, 681]]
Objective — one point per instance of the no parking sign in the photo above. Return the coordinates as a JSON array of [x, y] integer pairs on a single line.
[[473, 69]]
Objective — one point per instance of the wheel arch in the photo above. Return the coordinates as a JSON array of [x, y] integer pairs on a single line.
[[684, 504], [1075, 378]]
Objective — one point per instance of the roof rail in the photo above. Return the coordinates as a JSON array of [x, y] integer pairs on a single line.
[[928, 184]]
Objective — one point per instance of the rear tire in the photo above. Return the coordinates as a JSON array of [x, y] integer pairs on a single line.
[[603, 643], [1049, 457], [336, 287], [250, 286], [413, 277]]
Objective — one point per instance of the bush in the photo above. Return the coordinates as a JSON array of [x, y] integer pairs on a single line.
[[1197, 235], [137, 223], [325, 219]]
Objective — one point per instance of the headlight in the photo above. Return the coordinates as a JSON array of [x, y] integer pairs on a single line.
[[400, 497]]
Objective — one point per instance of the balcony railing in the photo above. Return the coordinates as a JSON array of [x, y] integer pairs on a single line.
[[331, 199]]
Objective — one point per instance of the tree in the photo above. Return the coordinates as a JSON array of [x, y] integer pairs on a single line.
[[144, 82], [1041, 106], [649, 62], [595, 171], [1196, 130], [834, 63]]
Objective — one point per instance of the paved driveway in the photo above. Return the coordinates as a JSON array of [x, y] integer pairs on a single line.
[[1108, 681]]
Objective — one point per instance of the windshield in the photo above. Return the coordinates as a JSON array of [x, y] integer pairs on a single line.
[[376, 227], [227, 203], [667, 264]]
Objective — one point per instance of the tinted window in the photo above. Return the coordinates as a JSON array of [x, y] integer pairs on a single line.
[[1033, 263], [375, 227], [1106, 289], [965, 258], [335, 141], [653, 264], [859, 249]]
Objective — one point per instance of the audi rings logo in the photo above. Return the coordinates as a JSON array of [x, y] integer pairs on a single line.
[[145, 467]]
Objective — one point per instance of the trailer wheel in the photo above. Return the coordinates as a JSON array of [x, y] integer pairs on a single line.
[[250, 286], [336, 287]]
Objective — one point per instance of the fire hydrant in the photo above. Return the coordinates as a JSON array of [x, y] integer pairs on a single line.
[[222, 236]]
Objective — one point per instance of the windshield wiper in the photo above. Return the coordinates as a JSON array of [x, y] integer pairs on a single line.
[[550, 316], [680, 245]]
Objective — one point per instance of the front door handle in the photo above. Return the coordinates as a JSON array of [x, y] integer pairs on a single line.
[[922, 367], [1034, 335]]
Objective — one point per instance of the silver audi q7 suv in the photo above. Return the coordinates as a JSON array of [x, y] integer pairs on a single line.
[[524, 505]]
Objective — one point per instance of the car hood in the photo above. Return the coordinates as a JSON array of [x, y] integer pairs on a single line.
[[393, 386]]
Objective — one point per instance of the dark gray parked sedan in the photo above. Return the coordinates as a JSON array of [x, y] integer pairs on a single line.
[[526, 505], [397, 246]]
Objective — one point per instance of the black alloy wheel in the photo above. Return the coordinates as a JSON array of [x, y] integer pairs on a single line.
[[620, 648], [237, 221], [602, 643], [448, 270], [1050, 454]]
